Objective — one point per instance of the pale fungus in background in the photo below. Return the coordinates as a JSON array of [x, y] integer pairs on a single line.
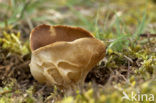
[[63, 55]]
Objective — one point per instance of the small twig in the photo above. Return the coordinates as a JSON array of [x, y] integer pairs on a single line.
[[2, 67], [147, 35], [128, 73], [23, 65], [8, 68], [128, 58], [5, 92], [118, 73]]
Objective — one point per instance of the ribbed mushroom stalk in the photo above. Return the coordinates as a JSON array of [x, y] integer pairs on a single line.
[[63, 55]]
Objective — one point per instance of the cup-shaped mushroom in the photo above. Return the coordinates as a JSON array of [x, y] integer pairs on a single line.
[[66, 60], [44, 34]]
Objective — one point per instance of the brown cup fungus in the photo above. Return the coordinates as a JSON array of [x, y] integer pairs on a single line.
[[63, 55]]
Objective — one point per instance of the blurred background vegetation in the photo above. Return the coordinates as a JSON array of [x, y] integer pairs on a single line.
[[130, 62]]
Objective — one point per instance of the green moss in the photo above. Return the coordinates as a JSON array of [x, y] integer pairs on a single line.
[[13, 44]]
